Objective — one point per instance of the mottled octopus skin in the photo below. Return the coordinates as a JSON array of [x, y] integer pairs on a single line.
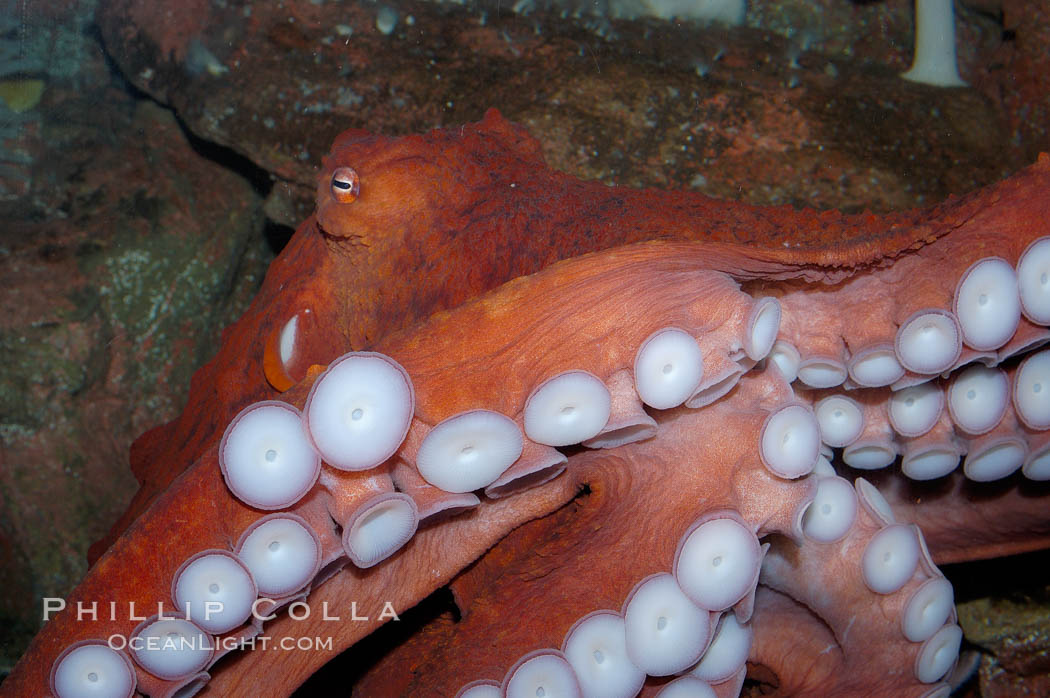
[[444, 216], [479, 355]]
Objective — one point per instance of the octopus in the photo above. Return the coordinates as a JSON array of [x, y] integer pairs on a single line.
[[653, 444]]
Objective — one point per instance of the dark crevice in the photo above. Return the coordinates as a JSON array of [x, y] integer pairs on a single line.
[[1002, 577], [260, 179], [345, 670], [277, 235]]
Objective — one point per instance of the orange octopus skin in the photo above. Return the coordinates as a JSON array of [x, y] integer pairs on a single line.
[[444, 216], [493, 351]]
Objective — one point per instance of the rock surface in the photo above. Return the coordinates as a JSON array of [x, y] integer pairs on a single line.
[[123, 260], [815, 115]]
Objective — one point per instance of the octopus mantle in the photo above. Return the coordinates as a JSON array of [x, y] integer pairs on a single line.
[[636, 468]]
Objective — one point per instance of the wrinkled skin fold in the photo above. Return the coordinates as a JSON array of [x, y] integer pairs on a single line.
[[569, 536]]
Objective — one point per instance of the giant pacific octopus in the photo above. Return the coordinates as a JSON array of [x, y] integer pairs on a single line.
[[637, 468]]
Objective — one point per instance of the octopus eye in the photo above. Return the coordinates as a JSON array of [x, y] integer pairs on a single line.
[[345, 185]]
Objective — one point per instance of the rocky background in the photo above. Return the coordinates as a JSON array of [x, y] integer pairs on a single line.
[[154, 155]]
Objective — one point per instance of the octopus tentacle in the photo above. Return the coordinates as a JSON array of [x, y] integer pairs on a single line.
[[347, 495], [372, 271], [775, 350]]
